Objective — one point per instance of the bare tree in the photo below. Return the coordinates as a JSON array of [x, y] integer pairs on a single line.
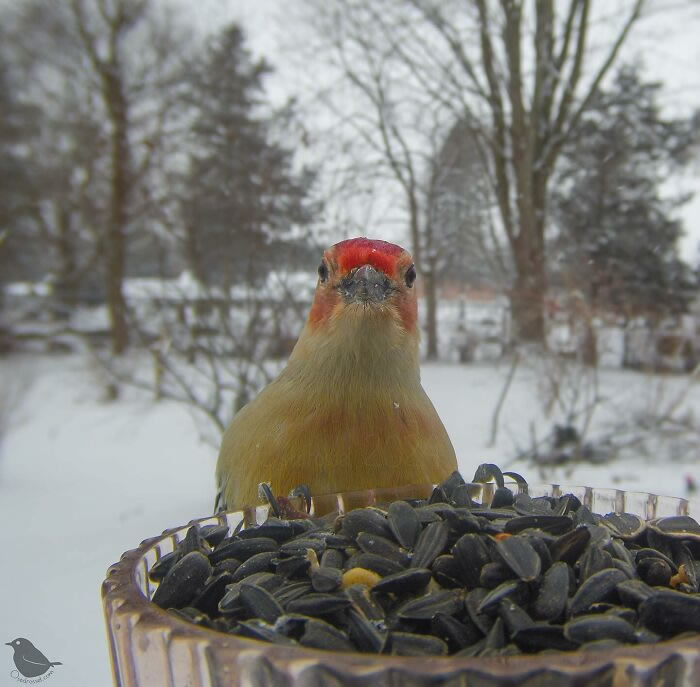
[[520, 74], [103, 47], [104, 74], [393, 141], [597, 420], [212, 348]]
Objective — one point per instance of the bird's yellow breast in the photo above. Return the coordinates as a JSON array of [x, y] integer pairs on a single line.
[[370, 439]]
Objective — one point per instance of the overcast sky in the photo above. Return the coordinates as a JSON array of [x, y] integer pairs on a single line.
[[667, 41]]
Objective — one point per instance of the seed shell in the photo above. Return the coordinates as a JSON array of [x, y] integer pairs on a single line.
[[408, 581], [431, 543], [317, 604], [404, 523], [510, 589], [213, 534], [260, 562], [543, 636], [242, 549], [409, 644], [588, 628], [183, 581], [550, 602], [365, 520], [259, 603], [365, 603], [677, 527], [471, 553], [598, 587], [381, 546], [326, 579], [163, 564], [669, 613], [322, 635], [447, 601], [364, 634], [458, 634], [371, 561], [517, 553], [556, 524]]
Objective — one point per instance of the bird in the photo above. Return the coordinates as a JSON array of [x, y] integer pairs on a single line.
[[28, 659], [348, 412]]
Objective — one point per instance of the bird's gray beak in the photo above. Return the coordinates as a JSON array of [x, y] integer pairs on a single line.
[[365, 285], [8, 643]]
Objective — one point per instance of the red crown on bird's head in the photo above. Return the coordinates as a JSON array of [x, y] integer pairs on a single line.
[[354, 253]]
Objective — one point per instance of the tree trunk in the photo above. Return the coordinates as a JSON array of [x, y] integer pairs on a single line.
[[431, 310], [66, 281], [528, 295], [589, 354], [425, 264], [117, 217], [527, 301]]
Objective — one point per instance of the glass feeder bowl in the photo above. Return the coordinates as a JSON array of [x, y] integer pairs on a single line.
[[151, 647]]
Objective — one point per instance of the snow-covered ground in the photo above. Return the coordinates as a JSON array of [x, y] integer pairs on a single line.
[[83, 479]]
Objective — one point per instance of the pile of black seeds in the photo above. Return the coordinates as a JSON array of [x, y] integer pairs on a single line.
[[443, 576]]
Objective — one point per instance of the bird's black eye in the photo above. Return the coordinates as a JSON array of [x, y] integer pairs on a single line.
[[410, 276], [322, 271]]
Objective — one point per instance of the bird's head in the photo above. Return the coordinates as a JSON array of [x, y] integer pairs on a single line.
[[365, 279], [19, 642]]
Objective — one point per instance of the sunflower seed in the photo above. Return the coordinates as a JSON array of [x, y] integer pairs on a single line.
[[409, 644], [183, 581], [431, 543]]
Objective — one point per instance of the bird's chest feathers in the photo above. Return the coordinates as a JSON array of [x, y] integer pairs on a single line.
[[361, 417], [350, 437], [353, 414], [352, 391]]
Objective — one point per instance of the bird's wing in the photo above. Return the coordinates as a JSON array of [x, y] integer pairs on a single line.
[[35, 658]]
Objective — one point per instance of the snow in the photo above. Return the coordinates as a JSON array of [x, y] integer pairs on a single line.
[[22, 288], [279, 284], [83, 479]]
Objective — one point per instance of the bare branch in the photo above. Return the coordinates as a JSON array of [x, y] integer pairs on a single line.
[[562, 131], [498, 116], [544, 74], [454, 41], [501, 399]]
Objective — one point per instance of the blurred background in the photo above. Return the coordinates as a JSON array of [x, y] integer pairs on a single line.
[[170, 173]]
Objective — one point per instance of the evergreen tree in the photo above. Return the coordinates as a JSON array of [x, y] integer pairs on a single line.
[[243, 198], [617, 236], [462, 206]]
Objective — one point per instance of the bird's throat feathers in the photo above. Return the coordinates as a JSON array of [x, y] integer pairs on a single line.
[[367, 346]]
